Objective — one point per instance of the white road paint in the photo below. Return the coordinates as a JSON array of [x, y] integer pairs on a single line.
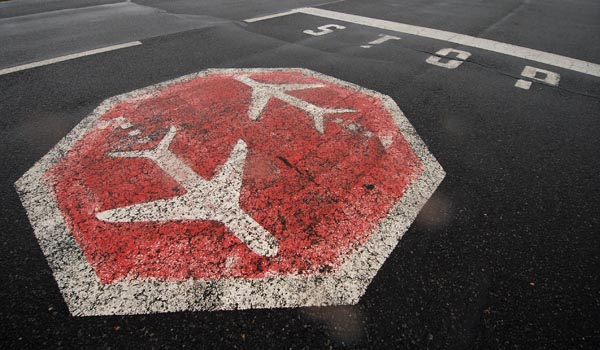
[[355, 127], [122, 122], [262, 94], [457, 38], [542, 75], [326, 29], [144, 139], [68, 57], [436, 59], [85, 295], [548, 77], [386, 141], [216, 200], [523, 84], [275, 15], [383, 38]]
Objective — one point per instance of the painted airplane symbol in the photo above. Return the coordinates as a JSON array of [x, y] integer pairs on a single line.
[[262, 93], [216, 199]]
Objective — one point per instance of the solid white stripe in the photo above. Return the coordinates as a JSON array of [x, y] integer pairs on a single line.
[[68, 57], [275, 15], [461, 39]]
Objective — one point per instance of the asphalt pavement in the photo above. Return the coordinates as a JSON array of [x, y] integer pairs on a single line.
[[505, 254]]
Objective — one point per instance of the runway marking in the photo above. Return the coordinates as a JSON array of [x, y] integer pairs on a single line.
[[68, 57], [275, 15], [262, 94], [457, 38], [452, 63], [236, 200], [198, 203], [326, 29], [538, 74], [523, 84], [383, 38]]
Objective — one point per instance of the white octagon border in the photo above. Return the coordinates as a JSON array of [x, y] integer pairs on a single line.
[[86, 296]]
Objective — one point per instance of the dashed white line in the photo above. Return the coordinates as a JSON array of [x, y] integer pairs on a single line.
[[457, 38], [68, 57]]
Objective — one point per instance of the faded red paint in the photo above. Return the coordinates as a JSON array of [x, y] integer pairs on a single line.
[[320, 195]]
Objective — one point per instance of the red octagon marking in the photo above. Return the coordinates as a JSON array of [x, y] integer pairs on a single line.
[[236, 175]]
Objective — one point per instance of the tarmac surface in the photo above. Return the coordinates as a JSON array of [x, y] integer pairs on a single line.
[[504, 255]]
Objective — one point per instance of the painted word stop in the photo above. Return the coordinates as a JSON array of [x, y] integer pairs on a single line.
[[228, 189]]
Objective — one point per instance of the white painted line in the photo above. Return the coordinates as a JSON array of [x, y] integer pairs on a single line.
[[281, 14], [275, 15], [68, 57], [461, 39]]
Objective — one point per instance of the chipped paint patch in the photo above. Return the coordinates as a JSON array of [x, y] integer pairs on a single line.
[[244, 188], [386, 140]]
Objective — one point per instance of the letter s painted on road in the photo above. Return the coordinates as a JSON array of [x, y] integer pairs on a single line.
[[326, 29]]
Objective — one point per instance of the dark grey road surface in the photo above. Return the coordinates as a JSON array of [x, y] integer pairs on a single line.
[[505, 255]]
